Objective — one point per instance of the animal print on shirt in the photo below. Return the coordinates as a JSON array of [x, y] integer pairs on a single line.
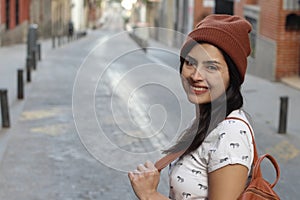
[[229, 143]]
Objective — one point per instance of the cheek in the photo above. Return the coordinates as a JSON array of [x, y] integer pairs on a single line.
[[184, 76], [226, 81], [218, 83], [184, 81], [184, 72]]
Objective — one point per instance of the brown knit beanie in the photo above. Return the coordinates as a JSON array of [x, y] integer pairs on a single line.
[[228, 33]]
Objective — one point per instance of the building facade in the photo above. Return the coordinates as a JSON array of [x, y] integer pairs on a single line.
[[17, 15], [51, 16], [79, 14], [40, 14], [94, 13], [177, 16], [275, 37], [14, 18], [60, 16]]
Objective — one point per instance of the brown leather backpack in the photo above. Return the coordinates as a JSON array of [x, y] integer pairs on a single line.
[[258, 188]]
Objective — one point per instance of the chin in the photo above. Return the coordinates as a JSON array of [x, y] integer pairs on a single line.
[[196, 100]]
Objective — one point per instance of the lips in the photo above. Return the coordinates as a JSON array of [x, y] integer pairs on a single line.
[[198, 90]]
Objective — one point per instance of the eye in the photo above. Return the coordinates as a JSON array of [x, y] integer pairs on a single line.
[[190, 62], [212, 68]]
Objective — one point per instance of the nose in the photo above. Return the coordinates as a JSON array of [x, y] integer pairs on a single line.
[[197, 74]]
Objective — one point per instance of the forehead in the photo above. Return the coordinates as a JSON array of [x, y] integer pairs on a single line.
[[206, 51]]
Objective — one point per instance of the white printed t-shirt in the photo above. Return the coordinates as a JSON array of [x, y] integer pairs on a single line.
[[229, 143]]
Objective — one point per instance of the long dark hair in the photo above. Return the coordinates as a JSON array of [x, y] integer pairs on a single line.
[[211, 114]]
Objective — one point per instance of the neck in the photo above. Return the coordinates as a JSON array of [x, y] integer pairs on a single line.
[[197, 110]]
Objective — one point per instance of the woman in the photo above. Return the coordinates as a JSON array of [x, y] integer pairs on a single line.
[[218, 151]]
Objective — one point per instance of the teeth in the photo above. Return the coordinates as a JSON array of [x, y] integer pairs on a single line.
[[199, 88]]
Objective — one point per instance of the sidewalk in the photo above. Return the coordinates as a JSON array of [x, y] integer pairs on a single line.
[[44, 158], [13, 58], [293, 81]]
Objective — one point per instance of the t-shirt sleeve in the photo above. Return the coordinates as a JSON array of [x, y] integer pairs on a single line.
[[233, 146]]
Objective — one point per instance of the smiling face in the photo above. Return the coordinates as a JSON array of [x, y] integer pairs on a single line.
[[204, 74]]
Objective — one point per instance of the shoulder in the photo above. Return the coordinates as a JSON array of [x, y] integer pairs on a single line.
[[237, 120], [235, 127], [233, 143], [235, 124]]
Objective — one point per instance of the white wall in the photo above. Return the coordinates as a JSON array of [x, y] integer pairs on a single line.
[[78, 15]]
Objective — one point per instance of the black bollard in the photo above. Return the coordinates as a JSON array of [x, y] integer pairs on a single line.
[[39, 51], [28, 69], [4, 108], [20, 84], [34, 60], [283, 114]]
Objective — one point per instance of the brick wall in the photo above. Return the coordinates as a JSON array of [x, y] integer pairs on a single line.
[[269, 18], [288, 51], [2, 11], [24, 10], [239, 6], [200, 12], [12, 22], [14, 33], [272, 26]]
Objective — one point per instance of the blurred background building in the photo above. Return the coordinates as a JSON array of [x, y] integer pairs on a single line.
[[275, 37], [51, 16], [14, 19]]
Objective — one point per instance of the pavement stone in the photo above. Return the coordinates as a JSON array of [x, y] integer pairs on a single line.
[[293, 81]]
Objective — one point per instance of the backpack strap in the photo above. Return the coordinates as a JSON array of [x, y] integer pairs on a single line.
[[166, 160], [256, 169], [257, 160]]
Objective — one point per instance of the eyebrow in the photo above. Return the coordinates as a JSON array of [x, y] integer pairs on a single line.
[[206, 62], [211, 62]]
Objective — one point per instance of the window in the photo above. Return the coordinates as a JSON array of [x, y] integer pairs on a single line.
[[291, 4], [224, 7], [292, 22]]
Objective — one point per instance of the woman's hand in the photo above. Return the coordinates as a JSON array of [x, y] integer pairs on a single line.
[[144, 180]]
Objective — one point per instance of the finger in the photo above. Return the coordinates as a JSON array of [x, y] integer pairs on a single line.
[[150, 165], [141, 168], [134, 175], [131, 176]]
